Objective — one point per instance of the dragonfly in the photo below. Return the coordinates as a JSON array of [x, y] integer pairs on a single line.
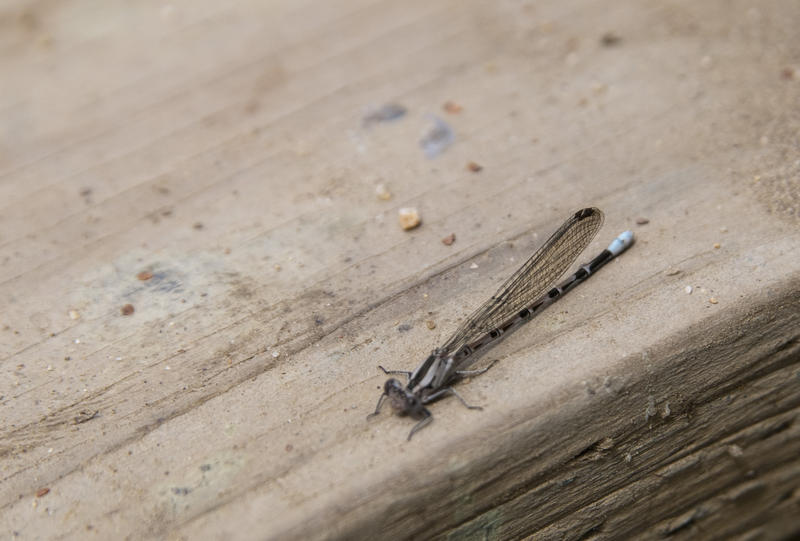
[[524, 295]]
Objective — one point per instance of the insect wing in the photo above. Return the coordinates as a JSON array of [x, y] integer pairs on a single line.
[[526, 285]]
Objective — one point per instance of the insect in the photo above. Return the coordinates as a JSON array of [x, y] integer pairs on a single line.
[[524, 295]]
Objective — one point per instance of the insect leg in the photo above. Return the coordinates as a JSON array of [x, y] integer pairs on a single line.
[[378, 407], [422, 424], [463, 373], [449, 390], [406, 373]]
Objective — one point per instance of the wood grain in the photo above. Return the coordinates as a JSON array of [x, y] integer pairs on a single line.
[[208, 164]]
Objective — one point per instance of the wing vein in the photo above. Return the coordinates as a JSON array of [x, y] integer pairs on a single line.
[[532, 279]]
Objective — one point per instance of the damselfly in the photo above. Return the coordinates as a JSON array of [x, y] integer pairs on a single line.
[[520, 298]]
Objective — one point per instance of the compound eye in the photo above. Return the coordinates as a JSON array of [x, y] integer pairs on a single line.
[[391, 384]]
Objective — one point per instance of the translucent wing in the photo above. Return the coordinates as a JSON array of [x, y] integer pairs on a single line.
[[538, 274]]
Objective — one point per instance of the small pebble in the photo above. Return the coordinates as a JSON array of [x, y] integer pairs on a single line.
[[673, 272], [144, 275], [409, 218], [431, 324], [127, 310], [42, 492], [609, 39], [642, 221], [449, 239], [688, 290], [474, 167], [712, 300], [474, 266], [452, 107], [73, 314], [383, 192]]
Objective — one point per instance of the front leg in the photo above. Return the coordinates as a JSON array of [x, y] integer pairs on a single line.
[[405, 373], [378, 407]]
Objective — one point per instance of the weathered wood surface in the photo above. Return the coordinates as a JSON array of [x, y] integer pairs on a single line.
[[221, 149]]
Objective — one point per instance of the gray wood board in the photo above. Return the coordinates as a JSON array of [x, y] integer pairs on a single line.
[[209, 165]]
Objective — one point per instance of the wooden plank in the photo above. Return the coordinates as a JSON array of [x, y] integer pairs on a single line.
[[209, 166]]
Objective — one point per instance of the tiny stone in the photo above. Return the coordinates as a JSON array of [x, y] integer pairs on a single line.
[[42, 492], [73, 314], [712, 300], [449, 239], [474, 167], [474, 266], [127, 309], [642, 221], [673, 272], [716, 246], [144, 275], [431, 324], [688, 290], [383, 192], [609, 39], [452, 107], [409, 218], [275, 354]]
